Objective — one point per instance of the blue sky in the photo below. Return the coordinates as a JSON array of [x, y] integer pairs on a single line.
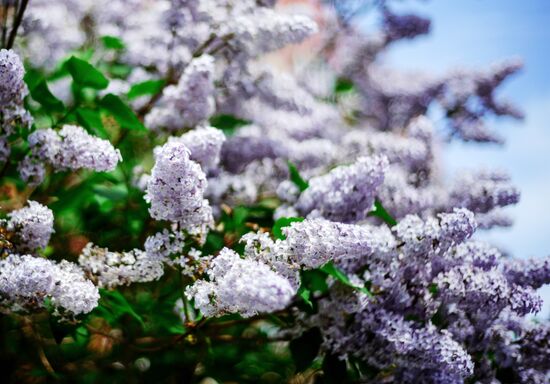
[[477, 33]]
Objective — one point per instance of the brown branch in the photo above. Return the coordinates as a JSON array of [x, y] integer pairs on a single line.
[[17, 22], [201, 49], [37, 339], [257, 340], [5, 12]]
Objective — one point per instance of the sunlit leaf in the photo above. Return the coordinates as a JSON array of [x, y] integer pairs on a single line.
[[296, 178], [85, 75], [150, 87], [121, 112]]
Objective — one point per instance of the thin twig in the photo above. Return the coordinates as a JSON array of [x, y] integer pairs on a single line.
[[41, 353], [15, 6], [5, 10], [17, 23], [201, 49], [64, 118]]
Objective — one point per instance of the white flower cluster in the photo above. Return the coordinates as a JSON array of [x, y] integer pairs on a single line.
[[111, 269], [204, 144], [259, 246], [32, 227], [242, 286], [26, 282], [70, 148], [282, 92], [190, 102], [176, 189], [161, 246]]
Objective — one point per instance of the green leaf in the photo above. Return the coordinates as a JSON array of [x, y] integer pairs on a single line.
[[296, 178], [380, 211], [305, 294], [332, 270], [91, 120], [85, 75], [119, 305], [177, 329], [40, 92], [32, 77], [121, 112], [314, 280], [284, 222], [305, 348], [120, 70], [239, 216], [112, 192], [343, 85], [227, 123], [150, 87], [113, 42], [81, 336]]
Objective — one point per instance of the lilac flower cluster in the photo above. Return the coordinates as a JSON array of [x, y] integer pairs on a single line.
[[161, 246], [313, 243], [12, 92], [265, 30], [176, 189], [70, 148], [188, 103], [240, 285], [13, 89], [392, 98], [204, 144], [26, 282], [32, 227], [346, 194], [111, 269], [425, 271]]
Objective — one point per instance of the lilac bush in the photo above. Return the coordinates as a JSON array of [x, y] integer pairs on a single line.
[[237, 191]]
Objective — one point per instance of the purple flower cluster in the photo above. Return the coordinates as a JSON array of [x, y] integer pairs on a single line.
[[12, 92], [439, 296], [188, 103], [346, 194], [176, 189]]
